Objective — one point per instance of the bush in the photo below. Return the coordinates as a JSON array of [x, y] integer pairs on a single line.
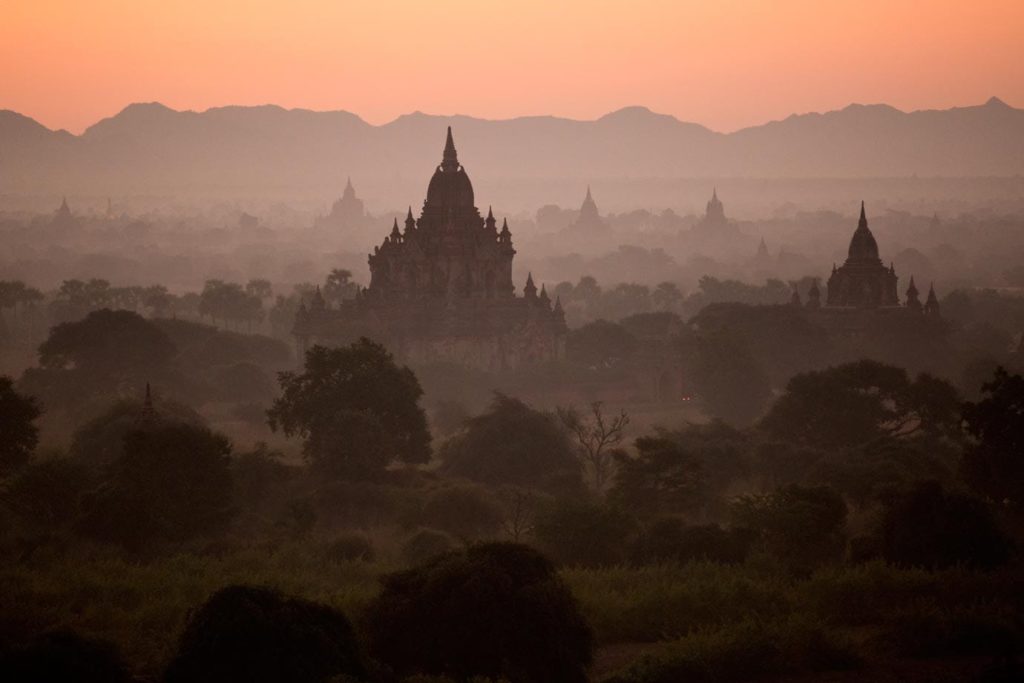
[[64, 656], [425, 545], [927, 630], [930, 527], [46, 492], [669, 539], [497, 610], [588, 533], [350, 548], [172, 483], [256, 634], [512, 444]]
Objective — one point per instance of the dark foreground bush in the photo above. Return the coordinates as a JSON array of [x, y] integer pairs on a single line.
[[350, 548], [931, 527], [497, 610], [257, 634], [64, 656]]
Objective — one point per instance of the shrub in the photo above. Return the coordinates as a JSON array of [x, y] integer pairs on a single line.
[[930, 527], [256, 634], [64, 656], [581, 532], [497, 610], [350, 548], [425, 545], [512, 444]]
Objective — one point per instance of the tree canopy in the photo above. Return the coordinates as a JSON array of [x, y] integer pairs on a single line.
[[859, 402], [355, 408], [18, 432], [994, 464], [513, 444]]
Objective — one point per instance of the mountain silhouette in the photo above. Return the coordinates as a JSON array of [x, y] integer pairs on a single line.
[[267, 149]]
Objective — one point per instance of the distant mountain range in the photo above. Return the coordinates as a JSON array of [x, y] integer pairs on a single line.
[[270, 151]]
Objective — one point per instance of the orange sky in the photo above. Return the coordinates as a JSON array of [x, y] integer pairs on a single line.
[[722, 63]]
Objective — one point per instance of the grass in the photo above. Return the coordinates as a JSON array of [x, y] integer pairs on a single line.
[[715, 622]]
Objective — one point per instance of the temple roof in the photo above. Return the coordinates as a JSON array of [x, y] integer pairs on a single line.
[[450, 186], [863, 247]]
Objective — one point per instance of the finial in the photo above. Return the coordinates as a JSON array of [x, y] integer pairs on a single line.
[[450, 160], [490, 214], [589, 198], [863, 216]]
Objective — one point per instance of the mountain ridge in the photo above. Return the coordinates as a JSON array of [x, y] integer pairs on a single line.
[[151, 147]]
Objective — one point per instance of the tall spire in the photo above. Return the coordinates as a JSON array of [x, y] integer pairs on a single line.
[[530, 290], [862, 224], [450, 159], [588, 197]]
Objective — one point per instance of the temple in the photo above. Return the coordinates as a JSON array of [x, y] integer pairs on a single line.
[[347, 212], [441, 289], [863, 281], [714, 222], [589, 219]]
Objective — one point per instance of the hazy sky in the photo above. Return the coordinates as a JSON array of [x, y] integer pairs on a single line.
[[723, 63]]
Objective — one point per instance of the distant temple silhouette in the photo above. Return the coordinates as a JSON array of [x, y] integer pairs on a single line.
[[346, 212], [714, 222], [863, 282], [589, 220], [441, 289]]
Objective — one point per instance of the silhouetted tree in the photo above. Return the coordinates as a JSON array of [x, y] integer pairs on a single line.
[[928, 526], [858, 402], [101, 441], [802, 525], [495, 610], [662, 478], [106, 341], [172, 483], [994, 465], [513, 444], [355, 408], [596, 439], [599, 344], [18, 432], [258, 635]]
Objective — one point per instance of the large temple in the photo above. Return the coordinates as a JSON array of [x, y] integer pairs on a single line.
[[441, 289], [864, 283], [589, 221]]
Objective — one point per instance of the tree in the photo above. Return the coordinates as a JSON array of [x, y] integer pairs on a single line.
[[731, 383], [172, 483], [106, 341], [584, 532], [599, 344], [994, 464], [666, 296], [18, 433], [101, 441], [928, 526], [513, 444], [497, 611], [596, 438], [245, 633], [802, 525], [859, 402], [663, 478], [339, 286], [356, 410]]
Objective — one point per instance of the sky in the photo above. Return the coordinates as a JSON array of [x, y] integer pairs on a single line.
[[725, 64]]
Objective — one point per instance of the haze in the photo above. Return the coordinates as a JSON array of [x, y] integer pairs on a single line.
[[722, 64]]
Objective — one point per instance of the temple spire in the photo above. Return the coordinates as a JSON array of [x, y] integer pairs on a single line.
[[450, 160], [862, 224]]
